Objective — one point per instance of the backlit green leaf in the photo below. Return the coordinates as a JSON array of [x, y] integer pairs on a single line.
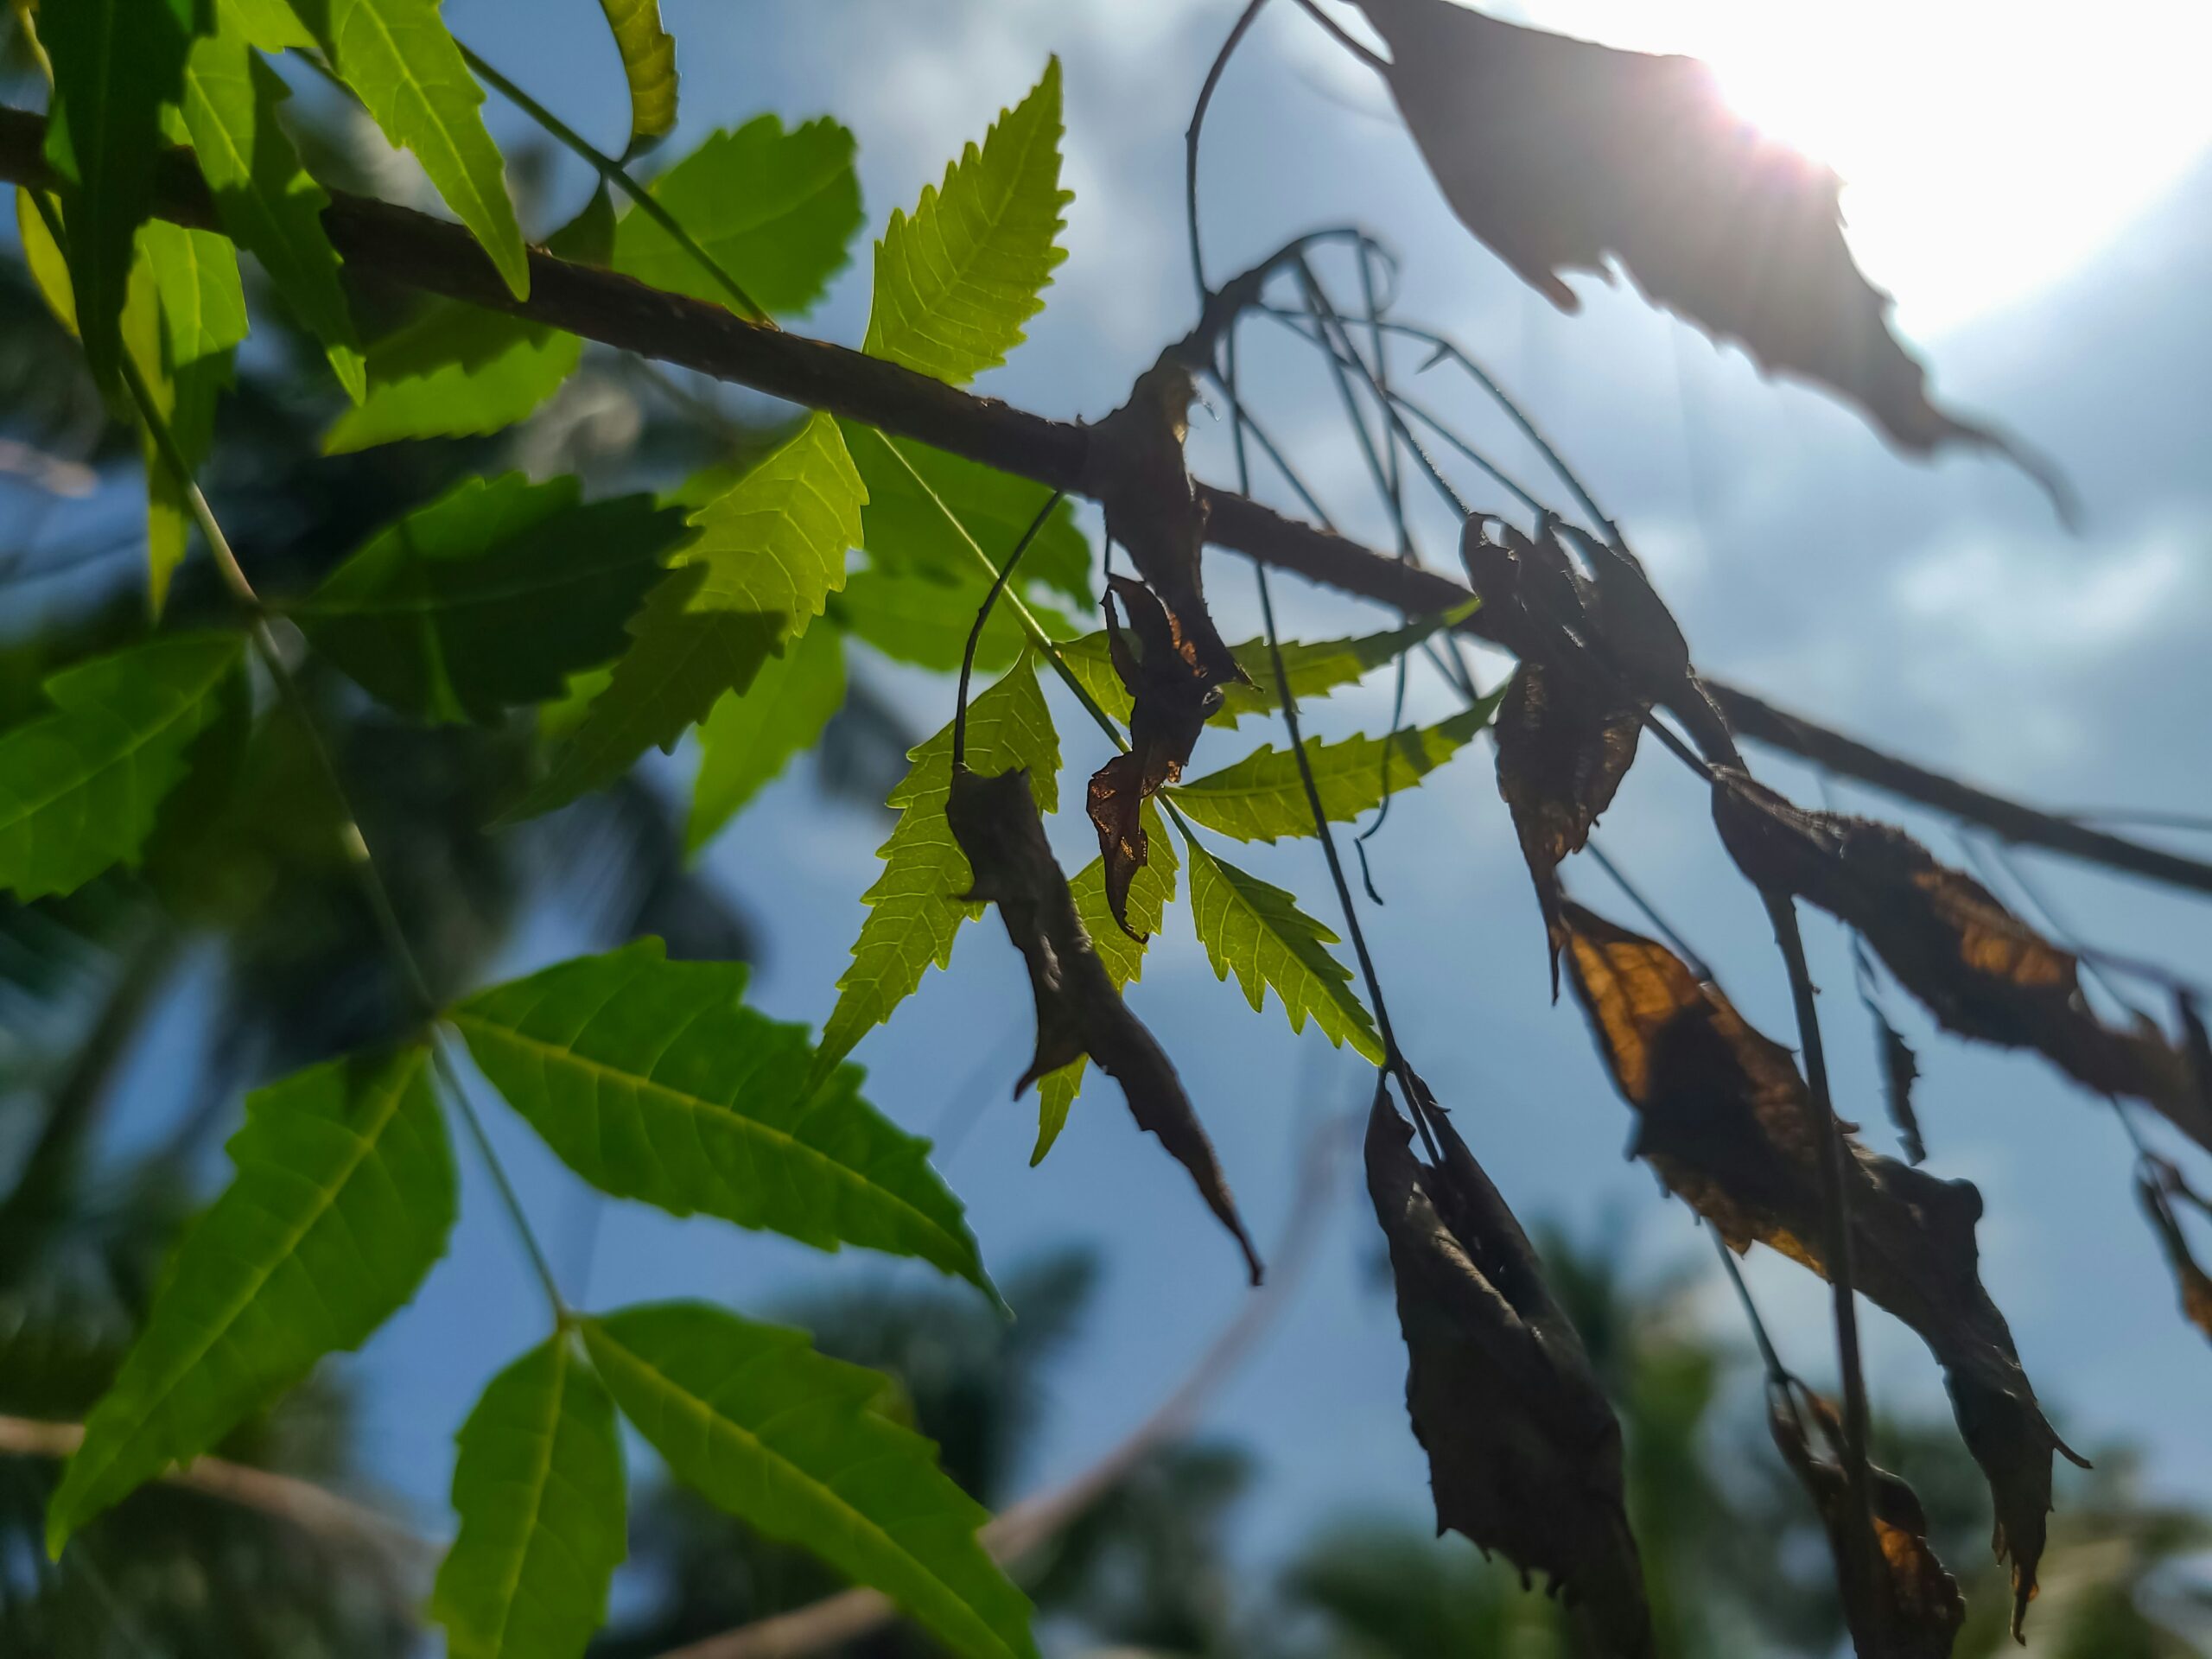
[[1263, 797], [751, 735], [398, 57], [654, 1081], [491, 596], [80, 787], [777, 539], [776, 210], [955, 283], [800, 1446], [540, 1490], [268, 25], [185, 313], [342, 1197], [649, 65], [917, 616], [1258, 930], [914, 913]]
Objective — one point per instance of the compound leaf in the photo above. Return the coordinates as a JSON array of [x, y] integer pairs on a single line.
[[751, 735]]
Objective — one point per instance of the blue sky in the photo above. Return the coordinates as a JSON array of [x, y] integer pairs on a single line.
[[1933, 609]]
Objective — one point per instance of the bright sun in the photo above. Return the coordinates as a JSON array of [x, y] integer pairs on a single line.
[[1987, 147]]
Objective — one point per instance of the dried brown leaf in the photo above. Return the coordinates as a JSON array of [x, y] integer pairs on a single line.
[[2156, 1187], [1900, 1070], [1524, 1454], [1921, 1609], [1725, 1119], [1078, 1011], [1562, 154], [1980, 969]]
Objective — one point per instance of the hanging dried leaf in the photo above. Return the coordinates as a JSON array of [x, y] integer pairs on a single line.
[[1524, 1454], [1900, 1070], [1078, 1011], [1921, 1609], [1725, 1119], [1980, 969], [2195, 1043], [2156, 1187], [1561, 155], [1171, 698]]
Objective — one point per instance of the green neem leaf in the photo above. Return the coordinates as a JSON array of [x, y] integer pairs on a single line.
[[268, 25], [185, 313], [653, 1080], [801, 1447], [265, 198], [116, 62], [917, 616], [397, 55], [776, 540], [540, 1490], [491, 596], [954, 283], [343, 1195], [902, 527], [649, 65], [1258, 930], [80, 788], [1263, 797], [680, 662], [458, 371], [914, 910], [776, 210], [1151, 891], [751, 735]]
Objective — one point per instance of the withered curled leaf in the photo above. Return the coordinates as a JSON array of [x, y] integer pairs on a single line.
[[1172, 696], [1921, 1608], [1725, 1119], [1524, 1453], [1980, 969], [1078, 1011], [1900, 1070], [1562, 154], [2157, 1185]]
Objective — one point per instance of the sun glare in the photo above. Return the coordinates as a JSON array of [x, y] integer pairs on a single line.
[[1986, 148]]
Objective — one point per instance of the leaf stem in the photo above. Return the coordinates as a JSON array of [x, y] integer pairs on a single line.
[[983, 615]]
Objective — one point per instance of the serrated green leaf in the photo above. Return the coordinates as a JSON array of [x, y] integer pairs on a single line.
[[955, 283], [799, 1447], [185, 313], [903, 529], [679, 664], [397, 55], [265, 197], [116, 63], [1258, 930], [80, 787], [268, 25], [539, 1490], [342, 1197], [777, 539], [751, 736], [914, 913], [776, 210], [649, 65], [1262, 795], [919, 617], [652, 1080], [458, 371], [491, 596], [1151, 891]]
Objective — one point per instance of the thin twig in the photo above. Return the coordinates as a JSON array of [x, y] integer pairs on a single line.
[[1244, 21], [983, 615]]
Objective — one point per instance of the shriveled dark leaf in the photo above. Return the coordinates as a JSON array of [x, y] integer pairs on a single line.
[[1172, 696], [2197, 1043], [2156, 1187], [1725, 1119], [1900, 1070], [1562, 154], [1980, 969], [1524, 1454], [1921, 1609], [1078, 1011]]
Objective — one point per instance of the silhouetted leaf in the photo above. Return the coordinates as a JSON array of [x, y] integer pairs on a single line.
[[1524, 1454], [1725, 1119], [1921, 1610], [539, 1490], [1079, 1008], [1900, 1069], [776, 210], [343, 1195], [800, 1447], [956, 281], [80, 787], [491, 596], [649, 65], [1259, 930], [1559, 155], [2156, 1185], [652, 1080], [411, 76], [751, 735]]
